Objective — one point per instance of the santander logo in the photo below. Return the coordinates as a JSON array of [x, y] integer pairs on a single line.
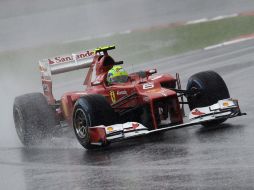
[[64, 59]]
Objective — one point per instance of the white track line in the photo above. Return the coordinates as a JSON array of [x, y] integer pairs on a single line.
[[220, 17], [224, 16], [197, 21], [229, 42]]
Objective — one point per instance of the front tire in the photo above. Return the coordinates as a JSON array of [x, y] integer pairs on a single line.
[[211, 87], [89, 111]]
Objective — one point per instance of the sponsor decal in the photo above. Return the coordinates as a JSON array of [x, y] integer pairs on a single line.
[[122, 92], [197, 112], [158, 90], [135, 125], [225, 104], [110, 129], [112, 96], [155, 90], [74, 57], [148, 86], [50, 61]]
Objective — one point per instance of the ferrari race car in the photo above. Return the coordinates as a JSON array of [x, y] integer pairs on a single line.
[[103, 113]]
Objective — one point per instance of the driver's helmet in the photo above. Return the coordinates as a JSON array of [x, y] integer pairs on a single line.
[[117, 75]]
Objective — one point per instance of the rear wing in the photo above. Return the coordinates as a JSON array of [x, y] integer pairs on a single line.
[[66, 63]]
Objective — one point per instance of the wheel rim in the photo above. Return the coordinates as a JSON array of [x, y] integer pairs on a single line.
[[81, 123], [19, 122]]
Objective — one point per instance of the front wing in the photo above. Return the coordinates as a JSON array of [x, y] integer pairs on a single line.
[[223, 109]]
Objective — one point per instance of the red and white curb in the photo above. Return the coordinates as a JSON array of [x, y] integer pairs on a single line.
[[234, 41]]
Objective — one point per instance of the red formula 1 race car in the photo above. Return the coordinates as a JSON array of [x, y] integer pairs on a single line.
[[103, 113]]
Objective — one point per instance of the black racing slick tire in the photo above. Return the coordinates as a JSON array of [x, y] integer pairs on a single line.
[[211, 88], [89, 111], [34, 119]]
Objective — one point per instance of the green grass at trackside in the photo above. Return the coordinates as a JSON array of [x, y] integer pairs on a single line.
[[143, 46], [140, 46]]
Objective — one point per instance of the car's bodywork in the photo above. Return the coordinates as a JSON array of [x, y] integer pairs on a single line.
[[160, 95], [141, 88]]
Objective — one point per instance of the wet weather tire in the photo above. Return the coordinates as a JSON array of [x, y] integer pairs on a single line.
[[89, 111], [34, 119], [212, 88]]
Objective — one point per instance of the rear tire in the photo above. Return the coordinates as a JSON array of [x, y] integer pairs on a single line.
[[34, 119], [89, 111], [212, 89]]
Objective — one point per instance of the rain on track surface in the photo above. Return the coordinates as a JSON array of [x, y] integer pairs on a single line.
[[188, 158]]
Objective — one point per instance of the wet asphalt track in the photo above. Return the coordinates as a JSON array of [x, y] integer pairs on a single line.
[[190, 158]]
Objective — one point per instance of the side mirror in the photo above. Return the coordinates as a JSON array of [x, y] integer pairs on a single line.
[[118, 62]]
